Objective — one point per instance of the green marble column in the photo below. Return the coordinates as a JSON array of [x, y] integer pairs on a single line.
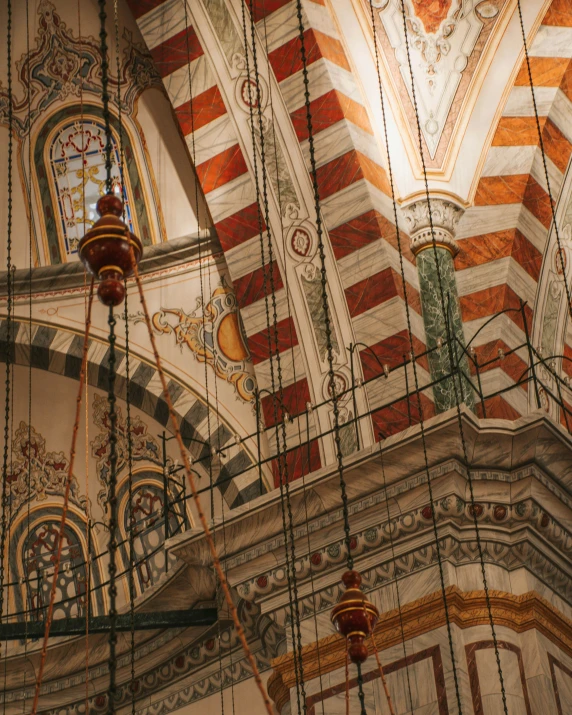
[[439, 298]]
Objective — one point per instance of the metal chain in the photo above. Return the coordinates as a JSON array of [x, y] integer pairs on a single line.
[[105, 93], [324, 284], [457, 397], [9, 312], [361, 694], [415, 375], [544, 164], [281, 437], [112, 522]]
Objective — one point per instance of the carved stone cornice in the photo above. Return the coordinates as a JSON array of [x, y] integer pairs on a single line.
[[466, 609], [444, 216]]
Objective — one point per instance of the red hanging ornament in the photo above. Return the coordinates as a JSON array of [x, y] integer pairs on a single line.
[[354, 617], [105, 250]]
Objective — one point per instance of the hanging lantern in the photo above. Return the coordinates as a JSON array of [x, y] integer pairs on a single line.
[[105, 250], [354, 617]]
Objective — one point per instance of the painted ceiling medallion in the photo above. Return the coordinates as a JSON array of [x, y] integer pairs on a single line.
[[446, 41]]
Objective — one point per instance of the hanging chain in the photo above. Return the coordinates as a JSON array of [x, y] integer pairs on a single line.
[[7, 439], [457, 397], [544, 164], [105, 93], [324, 284]]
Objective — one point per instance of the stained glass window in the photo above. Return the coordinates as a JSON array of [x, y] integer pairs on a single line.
[[40, 550], [149, 533], [77, 162]]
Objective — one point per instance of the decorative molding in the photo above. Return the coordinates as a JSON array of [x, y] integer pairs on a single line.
[[63, 66], [36, 473], [466, 610], [214, 334]]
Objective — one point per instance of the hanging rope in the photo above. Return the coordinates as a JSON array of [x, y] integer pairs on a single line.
[[196, 497], [60, 538], [457, 397]]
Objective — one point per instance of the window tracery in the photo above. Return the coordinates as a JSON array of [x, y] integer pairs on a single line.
[[77, 163]]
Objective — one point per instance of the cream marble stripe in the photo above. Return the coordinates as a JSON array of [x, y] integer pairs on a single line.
[[496, 273], [478, 220], [507, 160], [353, 201], [162, 22], [212, 139], [561, 114], [503, 328], [282, 25], [246, 257], [296, 432], [497, 379], [177, 83], [341, 137], [382, 391], [555, 176], [291, 363], [254, 315], [184, 402], [519, 102], [323, 76], [233, 196], [532, 229], [384, 320], [552, 41], [371, 259]]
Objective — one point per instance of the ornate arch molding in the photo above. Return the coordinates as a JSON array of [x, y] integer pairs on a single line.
[[57, 350]]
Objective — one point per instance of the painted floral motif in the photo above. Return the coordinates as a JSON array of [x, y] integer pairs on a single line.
[[61, 65], [35, 472], [143, 445], [213, 335]]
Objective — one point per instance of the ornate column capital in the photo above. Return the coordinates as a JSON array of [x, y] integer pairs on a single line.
[[445, 215]]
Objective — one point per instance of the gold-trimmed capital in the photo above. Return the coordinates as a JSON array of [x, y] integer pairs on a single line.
[[436, 227]]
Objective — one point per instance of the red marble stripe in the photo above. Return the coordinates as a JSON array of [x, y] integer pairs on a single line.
[[251, 288], [287, 59], [240, 227], [497, 190], [512, 364], [559, 13], [141, 7], [326, 111], [394, 419], [221, 169], [498, 408], [299, 462], [292, 399], [489, 301], [263, 8], [478, 250], [537, 202], [287, 339], [567, 362], [371, 291], [207, 106], [177, 51], [566, 84], [390, 351], [556, 145], [346, 170]]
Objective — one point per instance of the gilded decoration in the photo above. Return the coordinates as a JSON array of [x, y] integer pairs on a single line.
[[466, 609], [143, 445], [63, 66], [36, 473], [214, 335]]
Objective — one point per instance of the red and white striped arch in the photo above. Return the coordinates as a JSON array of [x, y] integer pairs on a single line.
[[364, 282]]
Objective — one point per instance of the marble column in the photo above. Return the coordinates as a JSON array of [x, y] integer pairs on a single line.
[[439, 297]]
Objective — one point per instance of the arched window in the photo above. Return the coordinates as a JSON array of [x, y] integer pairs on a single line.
[[148, 528], [38, 557], [69, 161], [77, 164]]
